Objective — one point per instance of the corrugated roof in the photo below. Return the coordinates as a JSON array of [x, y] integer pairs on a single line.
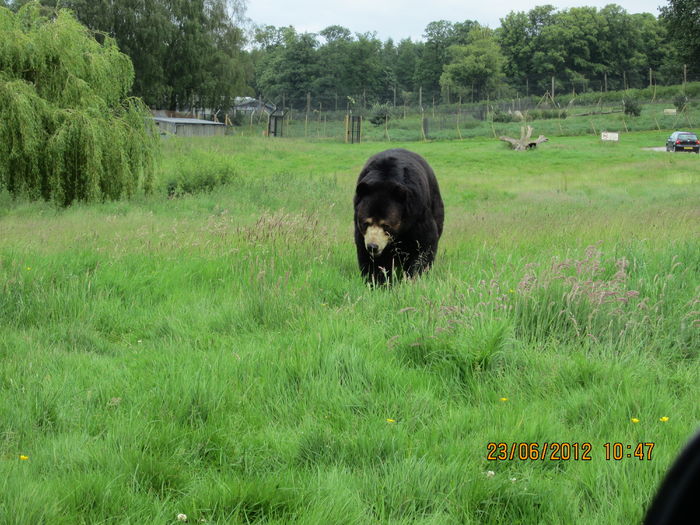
[[196, 121]]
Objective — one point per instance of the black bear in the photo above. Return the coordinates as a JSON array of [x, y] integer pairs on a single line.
[[398, 215]]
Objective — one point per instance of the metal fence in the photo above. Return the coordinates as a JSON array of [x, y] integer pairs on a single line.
[[663, 107]]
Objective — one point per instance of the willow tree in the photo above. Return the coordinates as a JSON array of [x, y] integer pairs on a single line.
[[68, 130]]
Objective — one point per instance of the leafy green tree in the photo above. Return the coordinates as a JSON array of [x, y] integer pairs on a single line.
[[186, 53], [570, 48], [343, 66], [406, 64], [524, 43], [622, 48], [68, 131], [334, 60], [269, 37], [433, 56], [475, 70], [516, 38], [336, 33], [291, 70], [582, 48], [460, 31], [390, 90], [661, 55], [368, 77], [682, 17]]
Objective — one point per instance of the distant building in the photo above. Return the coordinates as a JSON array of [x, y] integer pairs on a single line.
[[189, 127], [250, 105]]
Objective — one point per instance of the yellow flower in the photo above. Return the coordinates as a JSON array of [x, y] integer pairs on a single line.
[[389, 420], [29, 268], [503, 399], [663, 419], [634, 420], [511, 291], [23, 457]]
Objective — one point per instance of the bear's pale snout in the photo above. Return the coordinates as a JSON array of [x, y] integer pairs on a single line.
[[376, 240]]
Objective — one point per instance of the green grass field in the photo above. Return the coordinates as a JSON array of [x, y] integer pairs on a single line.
[[215, 353]]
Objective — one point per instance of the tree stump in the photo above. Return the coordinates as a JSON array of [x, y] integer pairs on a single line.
[[525, 142]]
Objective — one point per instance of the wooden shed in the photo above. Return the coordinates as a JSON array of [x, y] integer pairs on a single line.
[[189, 127]]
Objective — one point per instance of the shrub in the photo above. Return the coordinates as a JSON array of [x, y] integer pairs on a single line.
[[502, 116], [681, 102], [632, 106], [380, 114], [545, 114], [201, 173]]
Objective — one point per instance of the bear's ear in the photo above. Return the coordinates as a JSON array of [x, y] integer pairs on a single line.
[[400, 193], [361, 190]]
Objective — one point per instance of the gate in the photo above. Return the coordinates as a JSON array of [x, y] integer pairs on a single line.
[[275, 124], [353, 129]]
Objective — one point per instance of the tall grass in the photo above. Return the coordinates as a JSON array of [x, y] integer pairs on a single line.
[[214, 352]]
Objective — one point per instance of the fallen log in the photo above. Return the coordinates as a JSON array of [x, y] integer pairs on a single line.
[[597, 113], [524, 142]]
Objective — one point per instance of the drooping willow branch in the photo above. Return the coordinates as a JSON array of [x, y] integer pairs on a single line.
[[68, 130]]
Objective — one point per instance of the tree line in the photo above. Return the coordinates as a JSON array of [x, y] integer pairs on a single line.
[[202, 54], [543, 50]]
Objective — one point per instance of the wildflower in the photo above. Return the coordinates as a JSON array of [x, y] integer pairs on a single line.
[[511, 291], [503, 399], [634, 420], [513, 480], [29, 268], [490, 473], [182, 517], [389, 420], [663, 419], [23, 457]]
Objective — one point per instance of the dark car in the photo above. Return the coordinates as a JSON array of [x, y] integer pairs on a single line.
[[683, 141]]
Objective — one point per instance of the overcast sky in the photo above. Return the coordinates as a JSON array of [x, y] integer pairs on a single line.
[[399, 19]]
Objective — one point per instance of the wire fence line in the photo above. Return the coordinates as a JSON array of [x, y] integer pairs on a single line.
[[606, 85], [661, 108]]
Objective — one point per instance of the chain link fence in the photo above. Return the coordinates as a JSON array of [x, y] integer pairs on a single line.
[[660, 108]]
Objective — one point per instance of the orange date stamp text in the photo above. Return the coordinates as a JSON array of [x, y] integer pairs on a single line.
[[565, 451]]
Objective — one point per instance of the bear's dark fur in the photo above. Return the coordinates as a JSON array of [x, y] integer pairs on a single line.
[[398, 215]]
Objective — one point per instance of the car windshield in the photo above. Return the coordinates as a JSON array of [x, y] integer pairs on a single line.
[[687, 136]]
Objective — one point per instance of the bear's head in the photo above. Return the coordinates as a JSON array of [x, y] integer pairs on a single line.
[[380, 210]]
